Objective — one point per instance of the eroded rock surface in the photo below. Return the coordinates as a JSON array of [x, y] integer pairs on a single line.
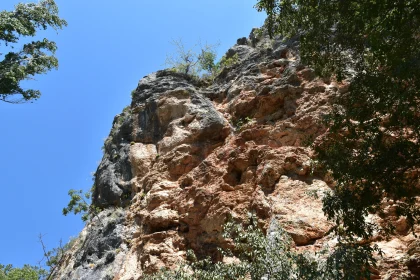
[[185, 156], [101, 248]]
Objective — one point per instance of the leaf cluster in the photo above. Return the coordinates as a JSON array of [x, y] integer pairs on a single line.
[[225, 62], [36, 57], [27, 272], [79, 204]]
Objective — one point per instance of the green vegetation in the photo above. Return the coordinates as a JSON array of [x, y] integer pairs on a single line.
[[227, 62], [36, 57], [242, 121], [191, 61], [200, 63], [372, 148], [207, 58], [51, 260], [79, 205], [133, 92], [27, 272], [268, 257]]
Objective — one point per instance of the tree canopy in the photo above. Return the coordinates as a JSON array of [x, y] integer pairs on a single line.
[[36, 57], [27, 272], [372, 147]]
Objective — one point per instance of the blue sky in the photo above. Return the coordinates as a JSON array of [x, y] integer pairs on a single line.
[[54, 144]]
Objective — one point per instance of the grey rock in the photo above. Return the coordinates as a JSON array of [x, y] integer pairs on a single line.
[[114, 172], [166, 84], [160, 82], [146, 98], [96, 254], [242, 41]]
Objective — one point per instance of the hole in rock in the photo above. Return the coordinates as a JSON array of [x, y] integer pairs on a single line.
[[233, 177]]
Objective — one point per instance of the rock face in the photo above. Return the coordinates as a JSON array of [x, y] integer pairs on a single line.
[[185, 155]]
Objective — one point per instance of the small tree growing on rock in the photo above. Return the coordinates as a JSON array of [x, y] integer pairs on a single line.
[[78, 204], [190, 61]]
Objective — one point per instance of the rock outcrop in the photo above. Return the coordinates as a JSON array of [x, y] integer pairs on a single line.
[[185, 155]]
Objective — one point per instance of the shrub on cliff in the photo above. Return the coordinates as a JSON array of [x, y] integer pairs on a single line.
[[193, 61], [36, 57], [259, 256], [199, 61]]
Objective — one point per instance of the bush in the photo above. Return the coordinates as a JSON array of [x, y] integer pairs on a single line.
[[190, 61], [271, 257], [27, 272], [201, 63], [227, 62]]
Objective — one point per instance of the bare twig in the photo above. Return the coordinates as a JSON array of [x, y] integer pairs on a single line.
[[47, 256]]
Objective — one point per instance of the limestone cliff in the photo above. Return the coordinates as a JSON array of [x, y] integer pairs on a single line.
[[185, 155]]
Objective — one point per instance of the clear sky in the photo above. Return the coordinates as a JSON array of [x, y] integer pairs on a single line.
[[54, 144]]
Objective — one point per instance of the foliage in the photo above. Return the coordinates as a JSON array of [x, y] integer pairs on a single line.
[[350, 260], [372, 146], [27, 272], [225, 62], [190, 61], [200, 63], [242, 122], [51, 260], [260, 256], [78, 204], [207, 58], [36, 57]]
